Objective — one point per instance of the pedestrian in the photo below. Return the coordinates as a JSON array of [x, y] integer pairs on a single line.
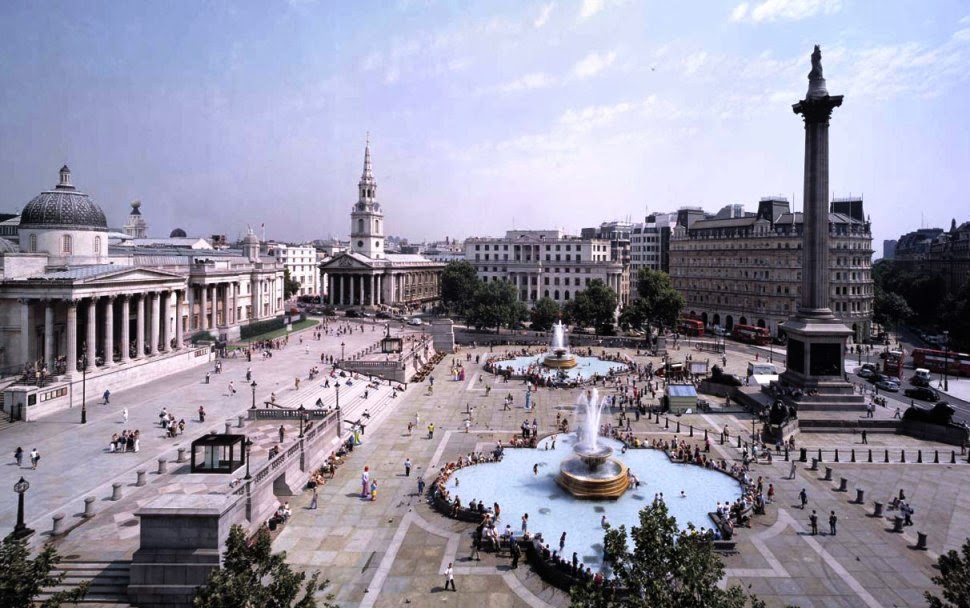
[[516, 553], [232, 388], [364, 482], [410, 427], [431, 431], [450, 577], [865, 438], [373, 490], [282, 433], [896, 415], [107, 397], [34, 458], [562, 542], [468, 423], [420, 486], [803, 497], [832, 521], [124, 415], [313, 500], [791, 472], [535, 469], [525, 523], [476, 545], [813, 520], [201, 414], [18, 455], [207, 377], [407, 467]]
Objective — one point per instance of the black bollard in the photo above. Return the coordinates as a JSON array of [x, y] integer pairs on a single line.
[[887, 455], [705, 434], [666, 422], [820, 454], [786, 454], [722, 438], [953, 457], [860, 496], [902, 457], [814, 464], [828, 473], [691, 430], [919, 456], [739, 442], [836, 454], [936, 457], [898, 524], [678, 426], [843, 484], [853, 455], [803, 455], [920, 541], [877, 512], [870, 454]]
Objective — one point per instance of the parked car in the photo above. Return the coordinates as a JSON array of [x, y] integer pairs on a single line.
[[383, 315], [888, 385], [922, 393], [415, 321], [865, 372], [352, 314]]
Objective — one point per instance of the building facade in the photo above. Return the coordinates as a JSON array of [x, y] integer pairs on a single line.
[[545, 263], [618, 234], [650, 245], [369, 276], [302, 263], [72, 306], [935, 250], [747, 270]]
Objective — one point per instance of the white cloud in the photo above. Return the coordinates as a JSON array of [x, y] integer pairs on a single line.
[[694, 62], [784, 10], [373, 61], [544, 14], [536, 80], [590, 8], [593, 116], [593, 64]]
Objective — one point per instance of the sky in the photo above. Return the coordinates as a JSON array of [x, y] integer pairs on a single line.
[[482, 116]]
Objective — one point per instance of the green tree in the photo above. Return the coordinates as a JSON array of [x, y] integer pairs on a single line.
[[495, 304], [660, 303], [594, 306], [665, 567], [252, 576], [459, 283], [954, 579], [889, 308], [290, 285], [23, 578], [544, 314]]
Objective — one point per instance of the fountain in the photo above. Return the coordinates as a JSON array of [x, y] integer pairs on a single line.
[[559, 356], [590, 472]]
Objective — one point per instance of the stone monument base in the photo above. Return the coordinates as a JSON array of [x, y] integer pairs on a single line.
[[816, 364]]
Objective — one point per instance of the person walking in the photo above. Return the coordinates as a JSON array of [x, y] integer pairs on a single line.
[[365, 482], [420, 486], [232, 388], [791, 472], [431, 431], [407, 467], [813, 520], [107, 397], [282, 433], [865, 437], [34, 458], [832, 521], [562, 542], [516, 553], [18, 455], [201, 414], [525, 523], [476, 545], [803, 498], [124, 415], [313, 500], [450, 577]]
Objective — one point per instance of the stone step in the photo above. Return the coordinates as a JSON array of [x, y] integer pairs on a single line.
[[108, 581]]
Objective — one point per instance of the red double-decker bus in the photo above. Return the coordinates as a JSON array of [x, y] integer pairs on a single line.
[[751, 334], [956, 364], [691, 327]]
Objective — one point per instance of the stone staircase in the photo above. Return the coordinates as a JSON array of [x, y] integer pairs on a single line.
[[109, 581]]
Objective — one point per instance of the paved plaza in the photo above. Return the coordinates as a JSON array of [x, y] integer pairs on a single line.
[[393, 551]]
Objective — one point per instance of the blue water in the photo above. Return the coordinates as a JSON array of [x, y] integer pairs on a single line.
[[585, 367], [552, 510]]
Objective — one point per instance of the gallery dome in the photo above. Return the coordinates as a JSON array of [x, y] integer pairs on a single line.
[[63, 207]]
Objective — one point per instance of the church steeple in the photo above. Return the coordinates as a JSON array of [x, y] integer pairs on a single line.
[[366, 229]]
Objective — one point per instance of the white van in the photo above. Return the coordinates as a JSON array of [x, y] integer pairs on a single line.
[[921, 377]]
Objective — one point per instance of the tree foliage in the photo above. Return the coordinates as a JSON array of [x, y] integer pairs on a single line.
[[659, 303], [544, 314], [252, 576], [924, 290], [290, 285], [890, 308], [665, 567], [594, 306], [24, 578], [459, 283], [954, 579], [495, 304]]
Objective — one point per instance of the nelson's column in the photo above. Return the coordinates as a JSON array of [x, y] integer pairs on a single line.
[[816, 338]]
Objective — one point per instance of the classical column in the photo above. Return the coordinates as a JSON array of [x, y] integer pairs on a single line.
[[24, 331], [125, 302], [203, 312], [140, 328], [179, 330], [215, 306], [156, 313], [71, 350], [109, 331], [378, 293], [167, 322], [92, 333], [226, 312], [49, 336], [190, 296]]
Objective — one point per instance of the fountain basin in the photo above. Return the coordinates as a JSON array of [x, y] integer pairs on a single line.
[[607, 478], [560, 358]]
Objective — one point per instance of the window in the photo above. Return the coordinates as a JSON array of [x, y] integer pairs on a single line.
[[360, 226], [68, 245], [97, 245], [33, 243]]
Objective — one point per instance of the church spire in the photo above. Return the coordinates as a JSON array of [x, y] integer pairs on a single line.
[[367, 186], [368, 174]]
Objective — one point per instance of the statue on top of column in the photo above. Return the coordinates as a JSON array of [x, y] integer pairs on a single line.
[[816, 83]]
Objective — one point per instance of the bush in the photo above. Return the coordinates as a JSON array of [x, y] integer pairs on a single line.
[[264, 327], [202, 336]]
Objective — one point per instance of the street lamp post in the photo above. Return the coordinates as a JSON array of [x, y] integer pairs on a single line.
[[248, 444], [21, 530], [302, 411], [253, 386], [342, 351], [946, 360], [84, 384]]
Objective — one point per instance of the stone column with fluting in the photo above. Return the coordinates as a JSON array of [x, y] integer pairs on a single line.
[[125, 303], [203, 314], [24, 331], [156, 310], [167, 322], [140, 328], [109, 331], [215, 307], [92, 333], [816, 109], [71, 351], [179, 337], [49, 336]]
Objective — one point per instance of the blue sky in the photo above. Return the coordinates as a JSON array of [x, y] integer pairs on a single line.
[[482, 116]]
